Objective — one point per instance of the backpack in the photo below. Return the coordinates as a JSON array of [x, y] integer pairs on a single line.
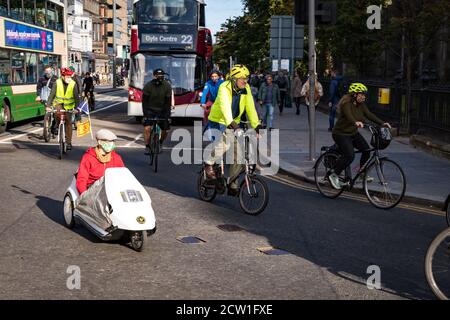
[[342, 89], [282, 82]]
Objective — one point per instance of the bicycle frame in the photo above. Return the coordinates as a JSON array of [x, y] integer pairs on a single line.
[[374, 158]]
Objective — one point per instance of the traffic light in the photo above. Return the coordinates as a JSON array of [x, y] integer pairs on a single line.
[[325, 12], [301, 12]]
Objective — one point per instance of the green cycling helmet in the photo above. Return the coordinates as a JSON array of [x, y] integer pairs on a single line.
[[357, 88]]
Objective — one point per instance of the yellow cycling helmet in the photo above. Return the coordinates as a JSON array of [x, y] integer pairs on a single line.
[[239, 71], [357, 88]]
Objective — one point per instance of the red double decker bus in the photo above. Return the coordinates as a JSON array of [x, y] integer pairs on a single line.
[[170, 34]]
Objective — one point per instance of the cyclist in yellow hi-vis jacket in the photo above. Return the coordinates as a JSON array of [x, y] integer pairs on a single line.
[[65, 94], [233, 99]]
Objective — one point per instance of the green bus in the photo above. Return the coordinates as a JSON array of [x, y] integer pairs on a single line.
[[31, 37]]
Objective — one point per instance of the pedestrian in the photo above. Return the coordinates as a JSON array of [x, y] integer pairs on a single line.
[[45, 84], [269, 96], [318, 92], [335, 96], [282, 81], [77, 79], [297, 91], [209, 94]]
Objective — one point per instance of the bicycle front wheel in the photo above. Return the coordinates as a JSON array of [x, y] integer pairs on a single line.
[[437, 265], [47, 127], [447, 214], [155, 151], [324, 164], [253, 195], [384, 184], [62, 141]]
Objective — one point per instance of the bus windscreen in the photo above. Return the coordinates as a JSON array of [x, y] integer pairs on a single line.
[[166, 12]]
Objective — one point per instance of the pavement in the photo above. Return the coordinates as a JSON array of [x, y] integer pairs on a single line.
[[427, 176], [105, 88]]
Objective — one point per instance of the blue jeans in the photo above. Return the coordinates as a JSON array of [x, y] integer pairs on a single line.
[[268, 114], [332, 116]]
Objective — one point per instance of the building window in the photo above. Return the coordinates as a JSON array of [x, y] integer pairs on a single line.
[[59, 18], [29, 11], [31, 65], [41, 17], [51, 15], [48, 60], [18, 67], [5, 67], [16, 9], [4, 8]]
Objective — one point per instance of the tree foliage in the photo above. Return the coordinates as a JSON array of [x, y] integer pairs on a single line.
[[247, 37]]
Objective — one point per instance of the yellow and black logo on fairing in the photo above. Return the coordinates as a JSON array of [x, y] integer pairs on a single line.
[[140, 220]]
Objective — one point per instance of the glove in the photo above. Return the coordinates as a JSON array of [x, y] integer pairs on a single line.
[[233, 125]]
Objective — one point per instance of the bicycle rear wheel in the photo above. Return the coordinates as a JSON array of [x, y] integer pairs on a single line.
[[437, 265], [47, 127], [254, 195], [324, 164], [388, 186]]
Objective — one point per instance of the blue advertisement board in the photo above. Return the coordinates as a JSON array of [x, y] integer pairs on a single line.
[[23, 36]]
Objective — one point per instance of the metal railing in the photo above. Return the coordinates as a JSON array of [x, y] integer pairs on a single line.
[[430, 111]]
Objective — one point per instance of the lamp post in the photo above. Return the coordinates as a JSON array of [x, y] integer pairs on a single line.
[[114, 45], [66, 5], [312, 80]]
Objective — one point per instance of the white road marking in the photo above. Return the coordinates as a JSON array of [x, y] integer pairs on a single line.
[[40, 129], [134, 141]]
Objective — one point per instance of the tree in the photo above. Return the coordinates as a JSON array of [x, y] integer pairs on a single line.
[[247, 37], [416, 25]]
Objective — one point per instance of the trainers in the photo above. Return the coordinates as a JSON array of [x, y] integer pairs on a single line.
[[233, 192], [334, 180], [210, 173], [147, 150], [69, 146]]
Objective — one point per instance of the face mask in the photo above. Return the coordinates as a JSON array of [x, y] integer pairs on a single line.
[[49, 74], [67, 80], [107, 146]]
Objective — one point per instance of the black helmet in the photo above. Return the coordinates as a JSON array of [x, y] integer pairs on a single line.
[[216, 72], [158, 72]]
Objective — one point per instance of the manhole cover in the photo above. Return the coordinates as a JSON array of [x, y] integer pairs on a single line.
[[271, 251], [229, 227], [190, 240]]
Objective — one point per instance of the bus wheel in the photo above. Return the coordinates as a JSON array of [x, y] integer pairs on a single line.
[[4, 117]]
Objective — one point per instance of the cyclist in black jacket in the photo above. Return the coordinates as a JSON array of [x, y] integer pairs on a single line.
[[156, 102]]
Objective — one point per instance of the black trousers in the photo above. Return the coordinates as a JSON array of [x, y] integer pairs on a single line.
[[347, 144], [282, 100], [297, 101]]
